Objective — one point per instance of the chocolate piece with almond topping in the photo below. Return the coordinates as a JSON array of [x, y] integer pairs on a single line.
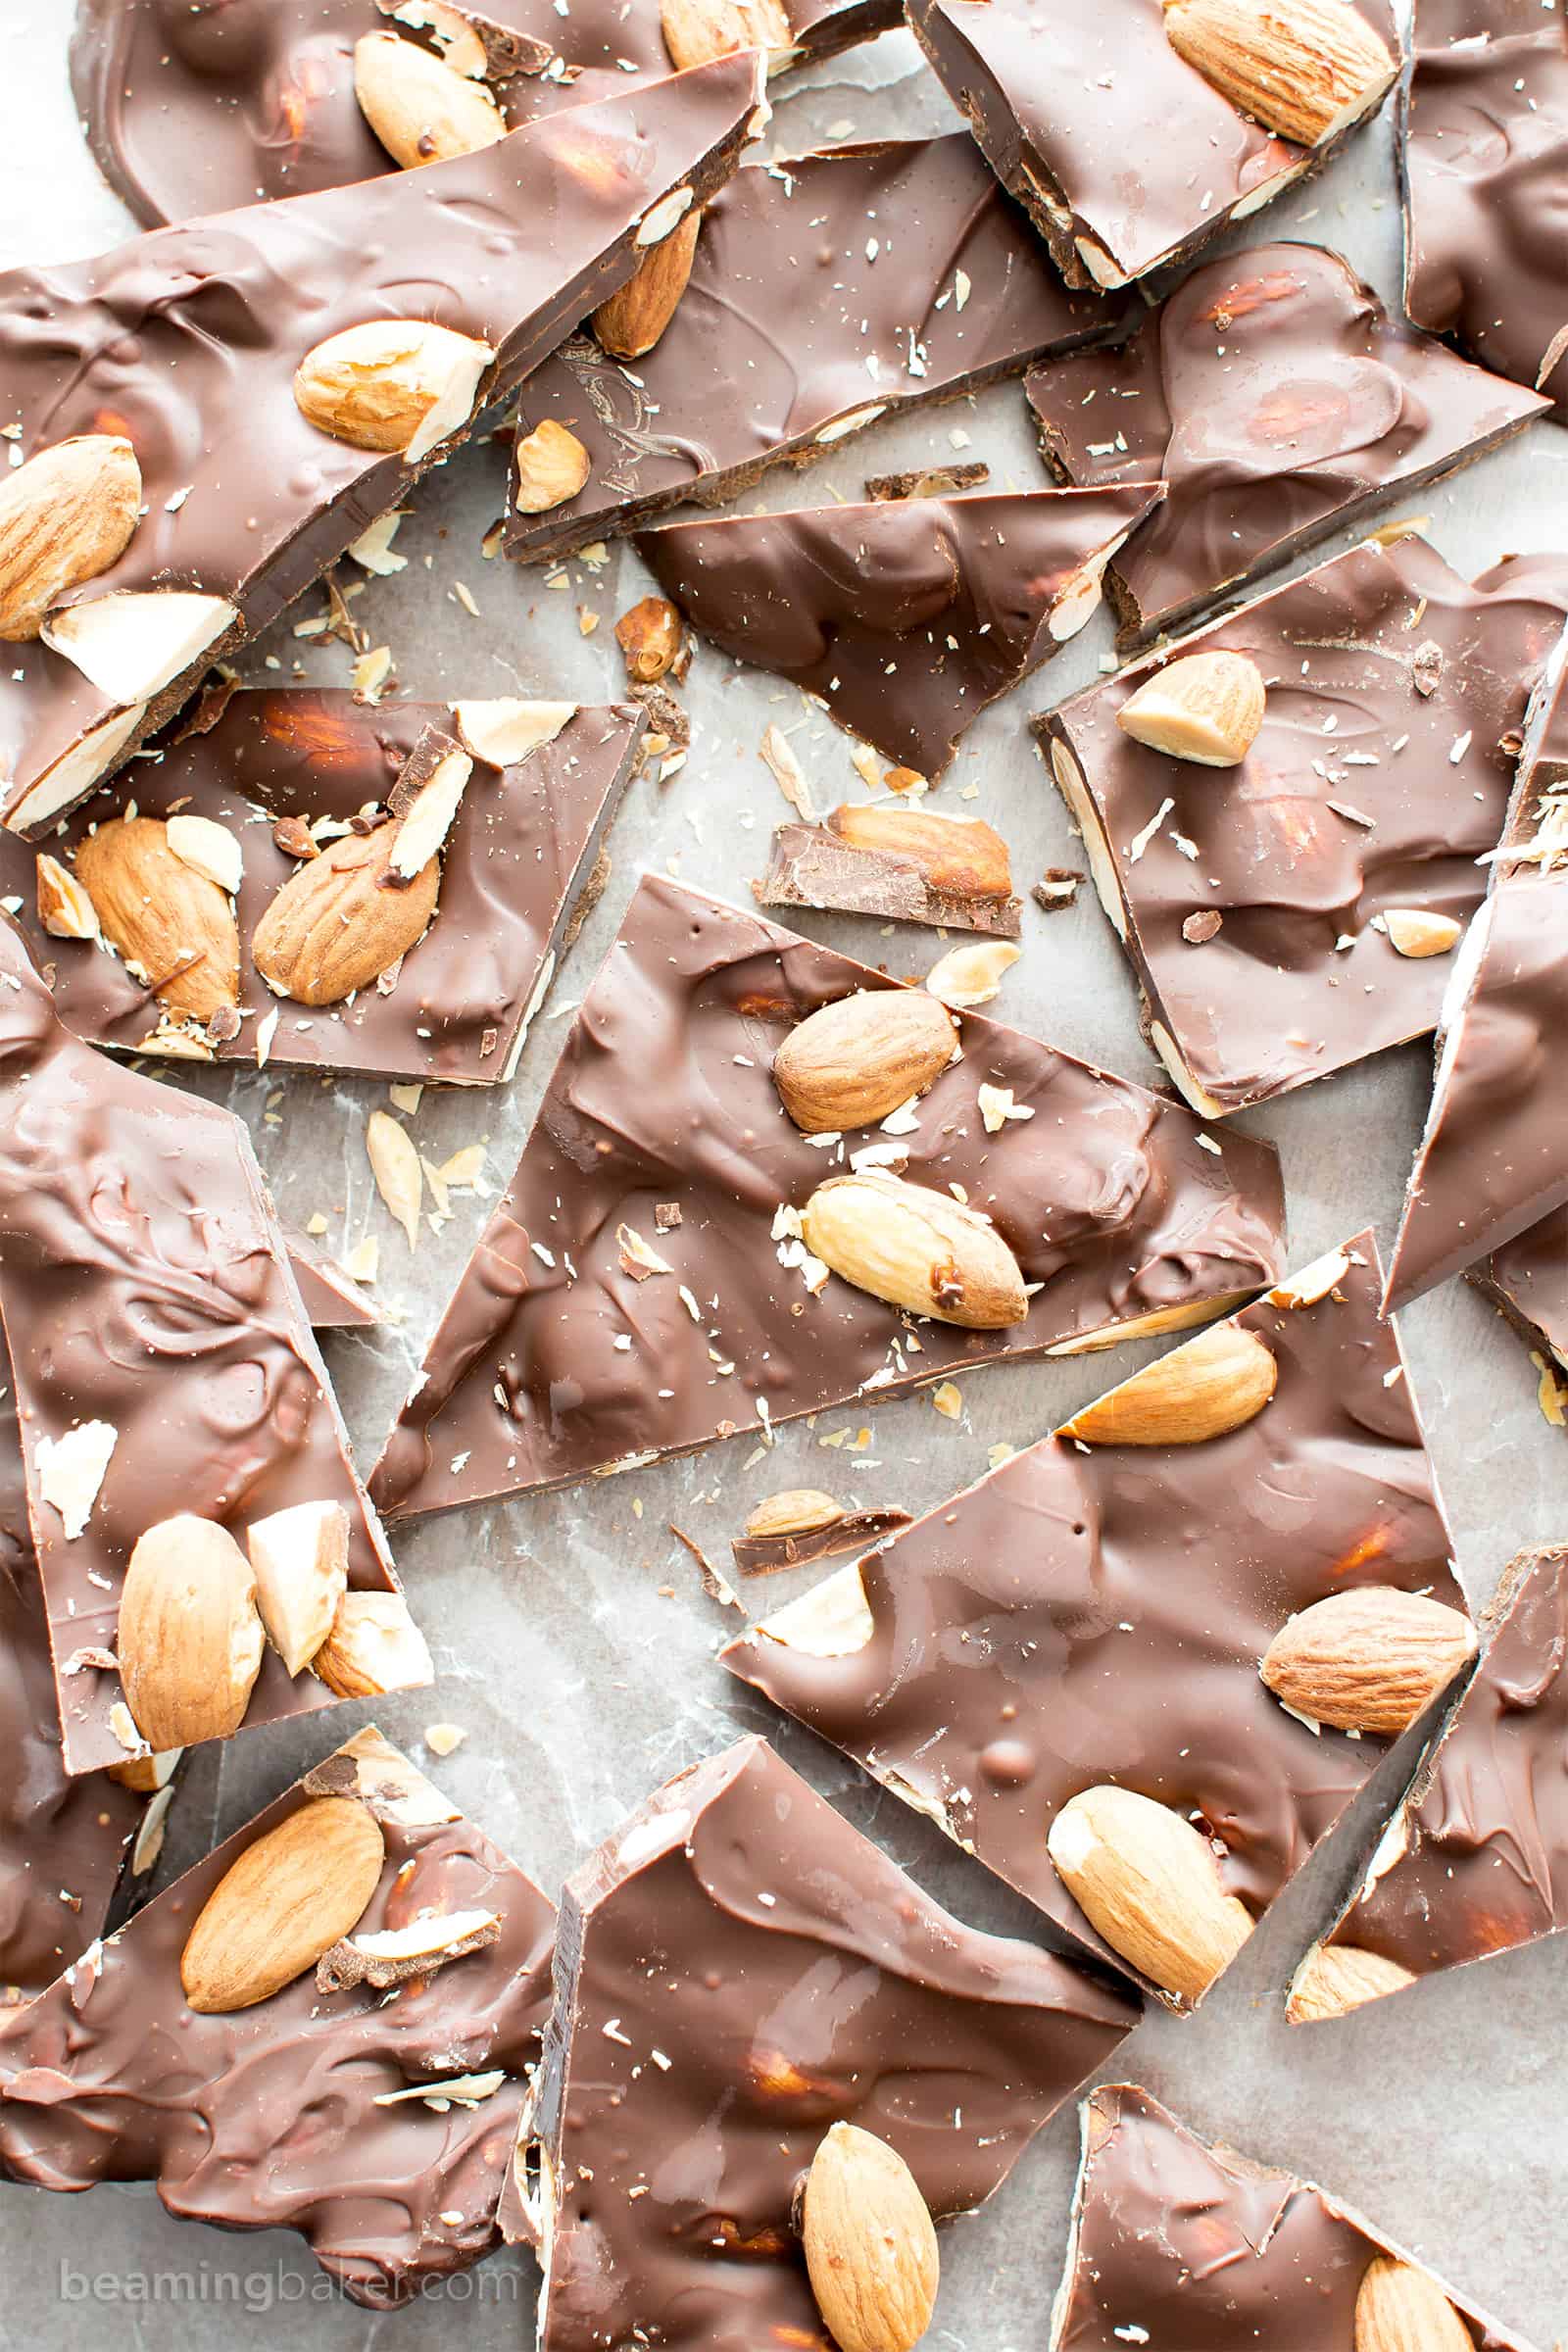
[[904, 865]]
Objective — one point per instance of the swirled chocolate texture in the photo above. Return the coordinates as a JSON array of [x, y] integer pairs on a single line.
[[1279, 401], [1190, 2247], [907, 617], [562, 1355], [1092, 1614], [201, 105], [1528, 1279], [144, 1286], [826, 293], [316, 2111], [513, 868], [186, 340], [738, 1969], [1483, 151], [1125, 154], [1251, 900]]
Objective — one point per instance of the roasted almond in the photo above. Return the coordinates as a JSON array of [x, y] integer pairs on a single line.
[[375, 1646], [650, 638], [399, 385], [960, 855], [175, 928], [1370, 1659], [1338, 1978], [1418, 931], [631, 322], [418, 108], [1148, 1881], [796, 1511], [191, 1638], [300, 1560], [916, 1249], [65, 516], [698, 30], [300, 1888], [551, 465], [334, 928], [1213, 1384], [1304, 68], [1401, 2308], [1206, 708], [869, 2243], [65, 908], [850, 1063]]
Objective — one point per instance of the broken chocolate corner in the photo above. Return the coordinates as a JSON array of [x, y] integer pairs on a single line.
[[905, 866]]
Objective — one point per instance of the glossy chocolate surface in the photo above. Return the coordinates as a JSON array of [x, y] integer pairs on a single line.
[[1529, 1279], [1279, 401], [1397, 696], [274, 2117], [1098, 1614], [738, 1970], [825, 292], [144, 1283], [904, 617], [554, 1363]]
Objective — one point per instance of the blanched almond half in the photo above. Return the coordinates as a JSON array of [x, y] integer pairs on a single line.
[[427, 821], [849, 1064], [1149, 1883], [65, 516], [869, 2243], [375, 1646], [209, 847], [300, 1558], [191, 1638], [398, 385], [1401, 2308], [1338, 1978], [1369, 1659], [1206, 708], [1207, 1388], [917, 1248], [136, 641], [504, 732], [293, 1893], [69, 778], [418, 108]]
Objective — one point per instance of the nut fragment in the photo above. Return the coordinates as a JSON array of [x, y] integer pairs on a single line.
[[175, 928], [699, 30], [869, 2243], [375, 1646], [332, 928], [69, 1471], [1206, 1389], [797, 1511], [65, 516], [1304, 68], [1206, 708], [1148, 1882], [395, 1165], [207, 848], [969, 977], [504, 732], [402, 1955], [418, 108], [300, 1560], [650, 637], [551, 465], [1337, 1977], [136, 641], [918, 1249], [65, 908], [1369, 1659], [850, 1064], [191, 1637], [1417, 931], [1401, 2308], [631, 322], [399, 385], [426, 816], [293, 1893], [960, 855]]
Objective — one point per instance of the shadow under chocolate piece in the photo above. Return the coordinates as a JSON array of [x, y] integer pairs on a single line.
[[593, 1333], [1279, 401], [1484, 147], [1254, 901], [1094, 1612], [452, 1007], [826, 293], [737, 1970], [1211, 2251], [1126, 156], [370, 2102], [188, 353], [1528, 1280], [907, 618]]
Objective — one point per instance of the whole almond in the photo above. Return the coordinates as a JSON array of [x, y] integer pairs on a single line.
[[1304, 68], [1370, 1659], [551, 465], [850, 1063], [375, 1646], [334, 928], [916, 1249], [960, 855], [398, 385], [869, 2243], [1401, 2308], [631, 322], [698, 30], [65, 516], [1337, 1977], [417, 107], [289, 1897], [175, 928], [796, 1511], [1418, 931], [1212, 1385], [191, 1637], [1148, 1881], [1206, 708]]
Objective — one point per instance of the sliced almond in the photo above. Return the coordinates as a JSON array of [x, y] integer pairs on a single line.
[[375, 1646], [1149, 1883], [428, 818], [65, 908], [1206, 708], [207, 848], [65, 516], [1401, 2308], [1304, 68], [402, 1955], [399, 385], [850, 1064], [869, 2243], [1206, 1389], [1370, 1659], [71, 777], [918, 1249], [1417, 931], [69, 1471], [293, 1893], [632, 320], [395, 1165], [550, 465], [797, 1511], [418, 108], [1338, 1978], [191, 1638], [650, 638], [174, 927], [969, 977], [136, 641], [300, 1558], [504, 732], [962, 857]]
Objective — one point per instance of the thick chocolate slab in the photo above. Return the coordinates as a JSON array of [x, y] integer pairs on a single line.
[[907, 618], [1032, 1639], [1529, 1281], [826, 293], [519, 852], [1397, 696], [304, 2112], [1279, 401], [555, 1362], [187, 340], [736, 1970], [1125, 156]]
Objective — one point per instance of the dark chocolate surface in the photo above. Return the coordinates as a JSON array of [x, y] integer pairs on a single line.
[[906, 617], [663, 1093], [1397, 695], [1279, 401], [1529, 1279], [738, 1969], [1098, 1614], [825, 292], [272, 2117]]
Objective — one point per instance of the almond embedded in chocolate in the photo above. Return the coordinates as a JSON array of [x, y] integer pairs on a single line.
[[850, 1064], [917, 1248], [290, 1896], [65, 516], [960, 857], [173, 926]]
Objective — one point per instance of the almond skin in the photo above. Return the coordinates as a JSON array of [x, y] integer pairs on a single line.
[[960, 855], [65, 516], [850, 1063], [797, 1511], [1304, 68], [1401, 2308], [334, 928], [298, 1891], [1371, 1659], [375, 1646], [871, 2246], [1338, 1978], [1206, 708], [1148, 1881], [190, 1635], [916, 1249], [1214, 1384], [174, 924], [631, 322], [417, 107], [698, 30]]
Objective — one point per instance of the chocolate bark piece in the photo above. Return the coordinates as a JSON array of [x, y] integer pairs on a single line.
[[902, 865], [517, 857], [1252, 900], [1085, 1660], [564, 1355], [1528, 1280], [826, 293], [187, 342], [151, 1316], [1484, 141], [1279, 401], [738, 1970], [1209, 2250], [331, 1299], [764, 1552], [377, 2128], [202, 108], [906, 617], [1148, 162]]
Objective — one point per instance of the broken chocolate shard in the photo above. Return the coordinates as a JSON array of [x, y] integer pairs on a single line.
[[331, 1298], [763, 1554], [905, 865], [1279, 401], [738, 1970], [905, 619], [1528, 1280], [767, 360], [413, 2102], [556, 1359], [1376, 782]]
